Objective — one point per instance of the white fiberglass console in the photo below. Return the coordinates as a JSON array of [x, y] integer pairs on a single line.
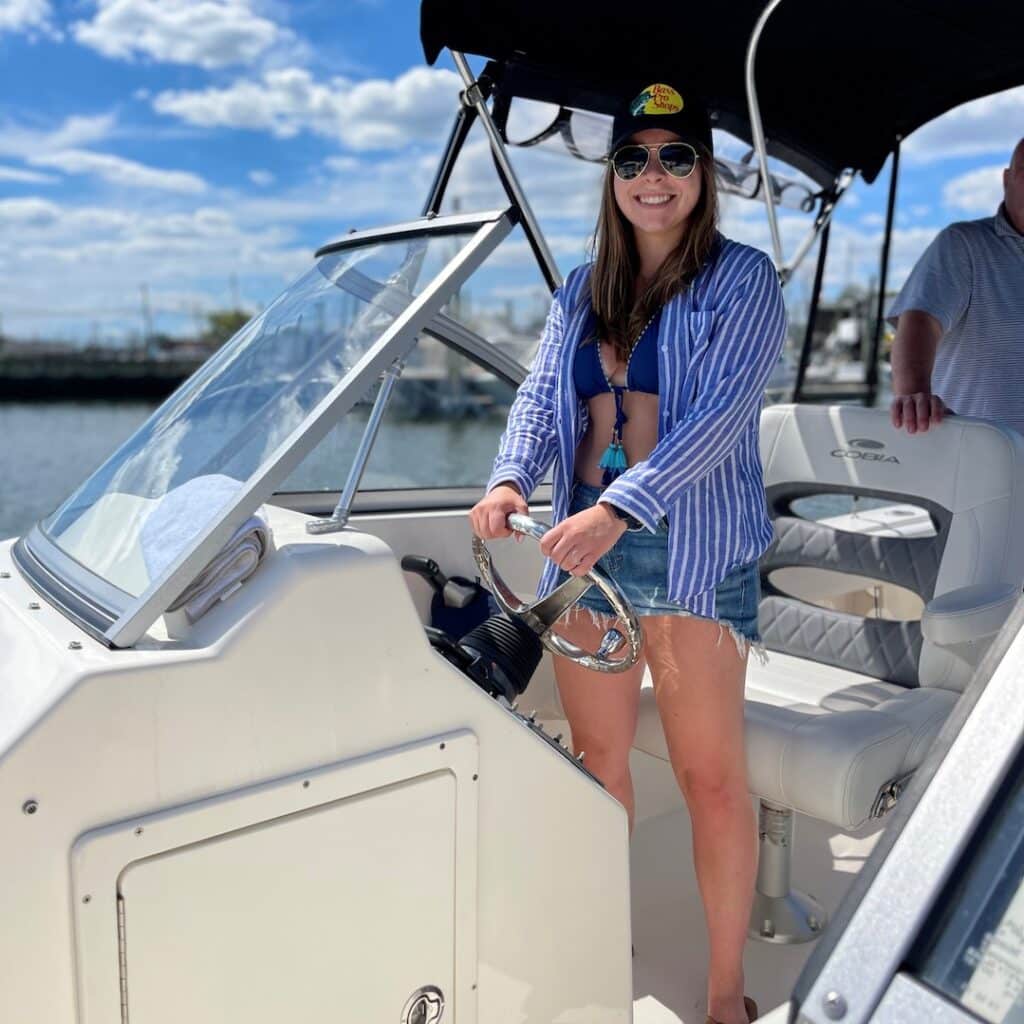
[[301, 812]]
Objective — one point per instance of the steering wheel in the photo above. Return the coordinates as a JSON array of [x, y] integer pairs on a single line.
[[541, 615]]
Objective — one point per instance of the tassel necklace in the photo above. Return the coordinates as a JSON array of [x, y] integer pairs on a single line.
[[614, 461]]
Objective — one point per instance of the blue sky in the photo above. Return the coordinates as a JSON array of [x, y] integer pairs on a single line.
[[204, 147]]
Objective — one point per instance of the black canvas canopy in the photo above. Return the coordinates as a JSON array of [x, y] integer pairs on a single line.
[[837, 83]]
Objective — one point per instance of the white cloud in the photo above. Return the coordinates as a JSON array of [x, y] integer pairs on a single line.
[[375, 114], [16, 140], [29, 177], [872, 220], [119, 171], [31, 211], [210, 33], [185, 256], [79, 131], [854, 255], [984, 127], [854, 250], [26, 16], [261, 178], [977, 191], [60, 149], [558, 187]]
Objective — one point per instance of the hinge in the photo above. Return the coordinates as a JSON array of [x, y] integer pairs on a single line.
[[473, 95], [122, 959], [889, 794]]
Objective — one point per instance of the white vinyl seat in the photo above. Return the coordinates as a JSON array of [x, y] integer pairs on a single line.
[[802, 754], [847, 705]]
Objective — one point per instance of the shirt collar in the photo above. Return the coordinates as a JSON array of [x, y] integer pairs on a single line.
[[1003, 225]]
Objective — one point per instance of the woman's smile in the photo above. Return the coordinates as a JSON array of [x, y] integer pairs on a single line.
[[654, 198]]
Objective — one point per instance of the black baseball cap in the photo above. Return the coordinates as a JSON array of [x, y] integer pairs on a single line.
[[663, 106]]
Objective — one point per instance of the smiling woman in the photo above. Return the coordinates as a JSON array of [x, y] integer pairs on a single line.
[[680, 406]]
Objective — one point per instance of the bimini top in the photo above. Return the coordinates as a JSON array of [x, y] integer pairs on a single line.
[[837, 83]]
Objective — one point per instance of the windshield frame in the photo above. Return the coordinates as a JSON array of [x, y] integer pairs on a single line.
[[119, 619]]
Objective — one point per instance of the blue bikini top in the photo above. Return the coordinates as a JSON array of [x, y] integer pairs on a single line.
[[641, 375], [641, 368]]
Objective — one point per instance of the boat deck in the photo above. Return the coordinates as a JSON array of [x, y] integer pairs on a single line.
[[668, 928], [669, 969]]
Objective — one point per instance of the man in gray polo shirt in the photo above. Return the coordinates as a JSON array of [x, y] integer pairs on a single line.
[[960, 320]]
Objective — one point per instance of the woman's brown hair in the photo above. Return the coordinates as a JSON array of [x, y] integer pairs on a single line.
[[620, 318]]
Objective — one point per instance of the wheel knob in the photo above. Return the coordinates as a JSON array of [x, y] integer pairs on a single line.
[[612, 643]]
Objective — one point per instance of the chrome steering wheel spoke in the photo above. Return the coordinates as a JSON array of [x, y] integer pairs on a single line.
[[551, 608], [541, 615]]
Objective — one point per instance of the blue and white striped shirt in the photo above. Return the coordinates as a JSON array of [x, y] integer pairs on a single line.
[[717, 344], [971, 279]]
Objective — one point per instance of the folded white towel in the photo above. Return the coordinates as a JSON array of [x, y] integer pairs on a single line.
[[181, 515], [235, 563]]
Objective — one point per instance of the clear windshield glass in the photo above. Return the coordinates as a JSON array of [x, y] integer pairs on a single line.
[[444, 420], [135, 515]]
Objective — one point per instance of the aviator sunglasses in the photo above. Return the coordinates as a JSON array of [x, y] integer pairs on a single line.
[[676, 158]]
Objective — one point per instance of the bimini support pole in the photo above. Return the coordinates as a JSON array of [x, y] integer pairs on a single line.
[[757, 134], [812, 313], [828, 206], [872, 375], [460, 130], [473, 97]]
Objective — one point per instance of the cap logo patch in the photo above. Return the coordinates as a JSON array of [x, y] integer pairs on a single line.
[[657, 99]]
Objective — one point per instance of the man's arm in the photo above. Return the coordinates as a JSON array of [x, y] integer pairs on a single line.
[[913, 355], [933, 299]]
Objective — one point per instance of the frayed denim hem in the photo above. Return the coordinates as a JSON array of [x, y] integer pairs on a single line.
[[744, 645]]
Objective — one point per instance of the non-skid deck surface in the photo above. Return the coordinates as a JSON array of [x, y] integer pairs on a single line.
[[668, 927]]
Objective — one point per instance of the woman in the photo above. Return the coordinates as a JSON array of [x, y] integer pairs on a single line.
[[646, 394]]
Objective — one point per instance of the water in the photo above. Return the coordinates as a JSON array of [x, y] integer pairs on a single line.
[[50, 447], [47, 448]]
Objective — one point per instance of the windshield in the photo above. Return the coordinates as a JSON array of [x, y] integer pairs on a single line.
[[136, 515]]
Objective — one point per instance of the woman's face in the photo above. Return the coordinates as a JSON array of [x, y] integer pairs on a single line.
[[656, 202]]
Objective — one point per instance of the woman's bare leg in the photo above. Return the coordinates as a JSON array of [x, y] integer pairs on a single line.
[[698, 679], [602, 710]]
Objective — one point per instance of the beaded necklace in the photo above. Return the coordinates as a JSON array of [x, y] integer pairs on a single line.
[[614, 461]]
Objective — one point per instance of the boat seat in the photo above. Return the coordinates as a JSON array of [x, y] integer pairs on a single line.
[[847, 705], [824, 740]]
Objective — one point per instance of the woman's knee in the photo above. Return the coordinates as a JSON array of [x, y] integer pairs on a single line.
[[712, 785], [608, 761]]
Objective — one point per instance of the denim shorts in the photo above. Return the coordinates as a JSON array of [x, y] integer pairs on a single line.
[[638, 563]]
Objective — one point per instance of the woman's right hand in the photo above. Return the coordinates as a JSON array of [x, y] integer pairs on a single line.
[[488, 516]]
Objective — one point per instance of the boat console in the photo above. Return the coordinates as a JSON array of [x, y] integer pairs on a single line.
[[300, 809]]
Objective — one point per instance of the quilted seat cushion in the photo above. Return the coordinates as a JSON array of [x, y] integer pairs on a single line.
[[879, 648], [820, 739]]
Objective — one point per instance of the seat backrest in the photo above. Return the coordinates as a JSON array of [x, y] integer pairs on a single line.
[[968, 474]]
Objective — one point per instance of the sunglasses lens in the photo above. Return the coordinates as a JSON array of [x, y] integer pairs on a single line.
[[678, 159], [629, 162]]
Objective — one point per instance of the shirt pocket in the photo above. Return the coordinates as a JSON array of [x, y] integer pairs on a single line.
[[700, 328]]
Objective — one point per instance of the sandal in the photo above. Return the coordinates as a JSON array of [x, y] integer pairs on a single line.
[[748, 1004]]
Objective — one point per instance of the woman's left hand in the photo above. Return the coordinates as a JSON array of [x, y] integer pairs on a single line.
[[576, 543]]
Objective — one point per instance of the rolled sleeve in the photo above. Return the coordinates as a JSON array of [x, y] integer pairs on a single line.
[[940, 283], [747, 338]]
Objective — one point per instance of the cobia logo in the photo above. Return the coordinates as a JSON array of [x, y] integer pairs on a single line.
[[864, 448]]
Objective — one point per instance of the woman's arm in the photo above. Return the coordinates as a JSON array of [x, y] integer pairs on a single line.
[[528, 444], [748, 335]]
